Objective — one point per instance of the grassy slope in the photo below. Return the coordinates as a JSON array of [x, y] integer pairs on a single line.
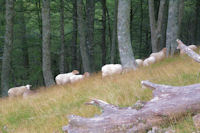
[[47, 111]]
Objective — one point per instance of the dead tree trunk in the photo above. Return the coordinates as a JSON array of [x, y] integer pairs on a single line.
[[168, 103]]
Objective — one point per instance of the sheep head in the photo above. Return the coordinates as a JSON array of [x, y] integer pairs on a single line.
[[75, 72], [164, 50], [28, 86]]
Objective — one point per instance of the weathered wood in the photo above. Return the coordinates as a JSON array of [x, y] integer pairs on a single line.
[[188, 51], [168, 103]]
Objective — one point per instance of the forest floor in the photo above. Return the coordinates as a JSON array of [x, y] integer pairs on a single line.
[[46, 112]]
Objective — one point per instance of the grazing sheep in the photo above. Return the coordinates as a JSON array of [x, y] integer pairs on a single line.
[[139, 62], [159, 55], [75, 78], [18, 91], [65, 78], [111, 69], [192, 47], [149, 61]]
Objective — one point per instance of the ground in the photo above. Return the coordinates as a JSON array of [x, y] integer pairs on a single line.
[[46, 112]]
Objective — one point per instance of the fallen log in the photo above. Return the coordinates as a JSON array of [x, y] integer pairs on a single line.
[[188, 51], [168, 103]]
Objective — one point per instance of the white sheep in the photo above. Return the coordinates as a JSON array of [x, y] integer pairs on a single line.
[[159, 55], [149, 61], [111, 69], [18, 91], [192, 47], [75, 78], [139, 62], [65, 78]]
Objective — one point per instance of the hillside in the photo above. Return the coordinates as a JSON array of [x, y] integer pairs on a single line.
[[47, 111]]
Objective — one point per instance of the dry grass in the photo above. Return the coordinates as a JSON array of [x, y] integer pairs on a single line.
[[46, 112]]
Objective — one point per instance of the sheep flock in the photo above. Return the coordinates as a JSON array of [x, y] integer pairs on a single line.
[[106, 70]]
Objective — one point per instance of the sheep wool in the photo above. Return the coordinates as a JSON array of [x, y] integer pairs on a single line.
[[76, 78], [111, 69], [159, 55], [139, 62], [65, 78], [18, 91], [149, 61]]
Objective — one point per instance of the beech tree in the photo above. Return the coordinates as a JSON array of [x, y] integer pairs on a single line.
[[7, 47], [156, 26], [46, 55], [123, 31], [82, 37]]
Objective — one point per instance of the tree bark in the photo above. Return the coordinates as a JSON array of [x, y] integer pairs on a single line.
[[196, 21], [172, 27], [103, 34], [164, 26], [156, 25], [74, 36], [82, 35], [141, 27], [90, 14], [188, 51], [168, 103], [23, 41], [62, 39], [114, 35], [123, 30], [180, 16], [7, 47], [46, 56]]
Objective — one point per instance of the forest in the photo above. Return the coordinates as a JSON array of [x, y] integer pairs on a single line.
[[41, 38]]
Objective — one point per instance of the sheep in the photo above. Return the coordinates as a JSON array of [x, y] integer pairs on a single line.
[[149, 61], [75, 78], [18, 91], [65, 78], [159, 55], [192, 47], [111, 69], [139, 62]]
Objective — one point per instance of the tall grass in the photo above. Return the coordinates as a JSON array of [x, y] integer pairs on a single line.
[[46, 112]]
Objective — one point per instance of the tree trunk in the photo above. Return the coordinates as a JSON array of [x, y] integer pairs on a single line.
[[196, 22], [164, 26], [82, 35], [168, 103], [156, 25], [7, 47], [123, 30], [188, 51], [141, 28], [180, 16], [39, 20], [23, 41], [62, 39], [103, 38], [114, 35], [172, 27], [90, 13], [74, 36], [46, 58]]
